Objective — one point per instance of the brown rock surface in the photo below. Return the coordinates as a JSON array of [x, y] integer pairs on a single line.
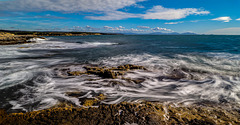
[[11, 39], [145, 113], [104, 72]]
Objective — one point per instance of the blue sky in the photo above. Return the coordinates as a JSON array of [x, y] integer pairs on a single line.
[[137, 16]]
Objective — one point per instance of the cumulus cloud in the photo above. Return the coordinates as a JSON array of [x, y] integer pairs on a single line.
[[107, 27], [89, 28], [161, 29], [121, 27], [159, 12], [143, 27], [173, 22], [224, 19], [101, 9], [114, 15]]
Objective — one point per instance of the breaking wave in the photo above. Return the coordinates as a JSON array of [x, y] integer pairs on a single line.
[[182, 79]]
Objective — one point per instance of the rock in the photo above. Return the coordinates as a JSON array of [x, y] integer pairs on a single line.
[[16, 39], [140, 113], [76, 73], [131, 67], [75, 94], [138, 81], [177, 74], [93, 101], [104, 72]]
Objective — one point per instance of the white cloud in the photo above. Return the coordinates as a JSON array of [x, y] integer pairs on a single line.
[[161, 29], [89, 28], [226, 31], [238, 19], [224, 19], [118, 29], [107, 27], [143, 27], [103, 9], [113, 15], [67, 5], [173, 22], [121, 27], [194, 21], [159, 12]]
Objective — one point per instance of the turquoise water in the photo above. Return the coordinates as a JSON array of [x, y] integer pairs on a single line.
[[32, 76]]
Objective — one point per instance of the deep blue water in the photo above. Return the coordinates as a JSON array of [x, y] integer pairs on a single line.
[[31, 76], [166, 45]]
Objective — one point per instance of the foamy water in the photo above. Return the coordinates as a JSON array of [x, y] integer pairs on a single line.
[[33, 76]]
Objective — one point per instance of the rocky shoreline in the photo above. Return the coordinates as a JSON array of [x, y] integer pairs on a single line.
[[142, 113], [93, 112], [11, 39], [22, 37]]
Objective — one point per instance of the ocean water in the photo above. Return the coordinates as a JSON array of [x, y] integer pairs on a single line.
[[207, 68]]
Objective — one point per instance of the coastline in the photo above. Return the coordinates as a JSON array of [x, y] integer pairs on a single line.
[[140, 113], [92, 111], [22, 37], [95, 108]]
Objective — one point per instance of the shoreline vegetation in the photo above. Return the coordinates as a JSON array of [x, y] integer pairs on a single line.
[[93, 112], [8, 37]]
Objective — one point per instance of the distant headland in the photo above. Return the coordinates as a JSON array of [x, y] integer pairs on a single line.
[[10, 37]]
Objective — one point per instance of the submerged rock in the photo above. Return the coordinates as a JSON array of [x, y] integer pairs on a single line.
[[140, 113], [93, 101], [104, 72]]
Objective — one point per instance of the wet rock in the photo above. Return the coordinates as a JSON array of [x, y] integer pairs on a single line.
[[93, 101], [76, 73], [177, 74], [130, 67], [75, 94], [87, 101], [135, 80], [114, 83], [10, 39], [104, 72], [138, 80], [139, 113]]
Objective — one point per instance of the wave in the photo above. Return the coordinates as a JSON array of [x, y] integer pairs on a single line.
[[36, 39], [50, 44], [179, 79], [99, 43]]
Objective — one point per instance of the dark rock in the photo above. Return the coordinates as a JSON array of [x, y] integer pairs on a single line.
[[106, 72], [139, 113]]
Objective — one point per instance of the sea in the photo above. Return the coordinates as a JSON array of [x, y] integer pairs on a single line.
[[185, 69]]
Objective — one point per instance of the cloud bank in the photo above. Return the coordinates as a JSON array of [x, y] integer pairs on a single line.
[[69, 6], [226, 31], [173, 22], [159, 12], [101, 9]]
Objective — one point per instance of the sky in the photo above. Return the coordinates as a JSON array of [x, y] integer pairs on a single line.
[[122, 16]]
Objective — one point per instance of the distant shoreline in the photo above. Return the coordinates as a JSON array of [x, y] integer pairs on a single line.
[[10, 37]]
